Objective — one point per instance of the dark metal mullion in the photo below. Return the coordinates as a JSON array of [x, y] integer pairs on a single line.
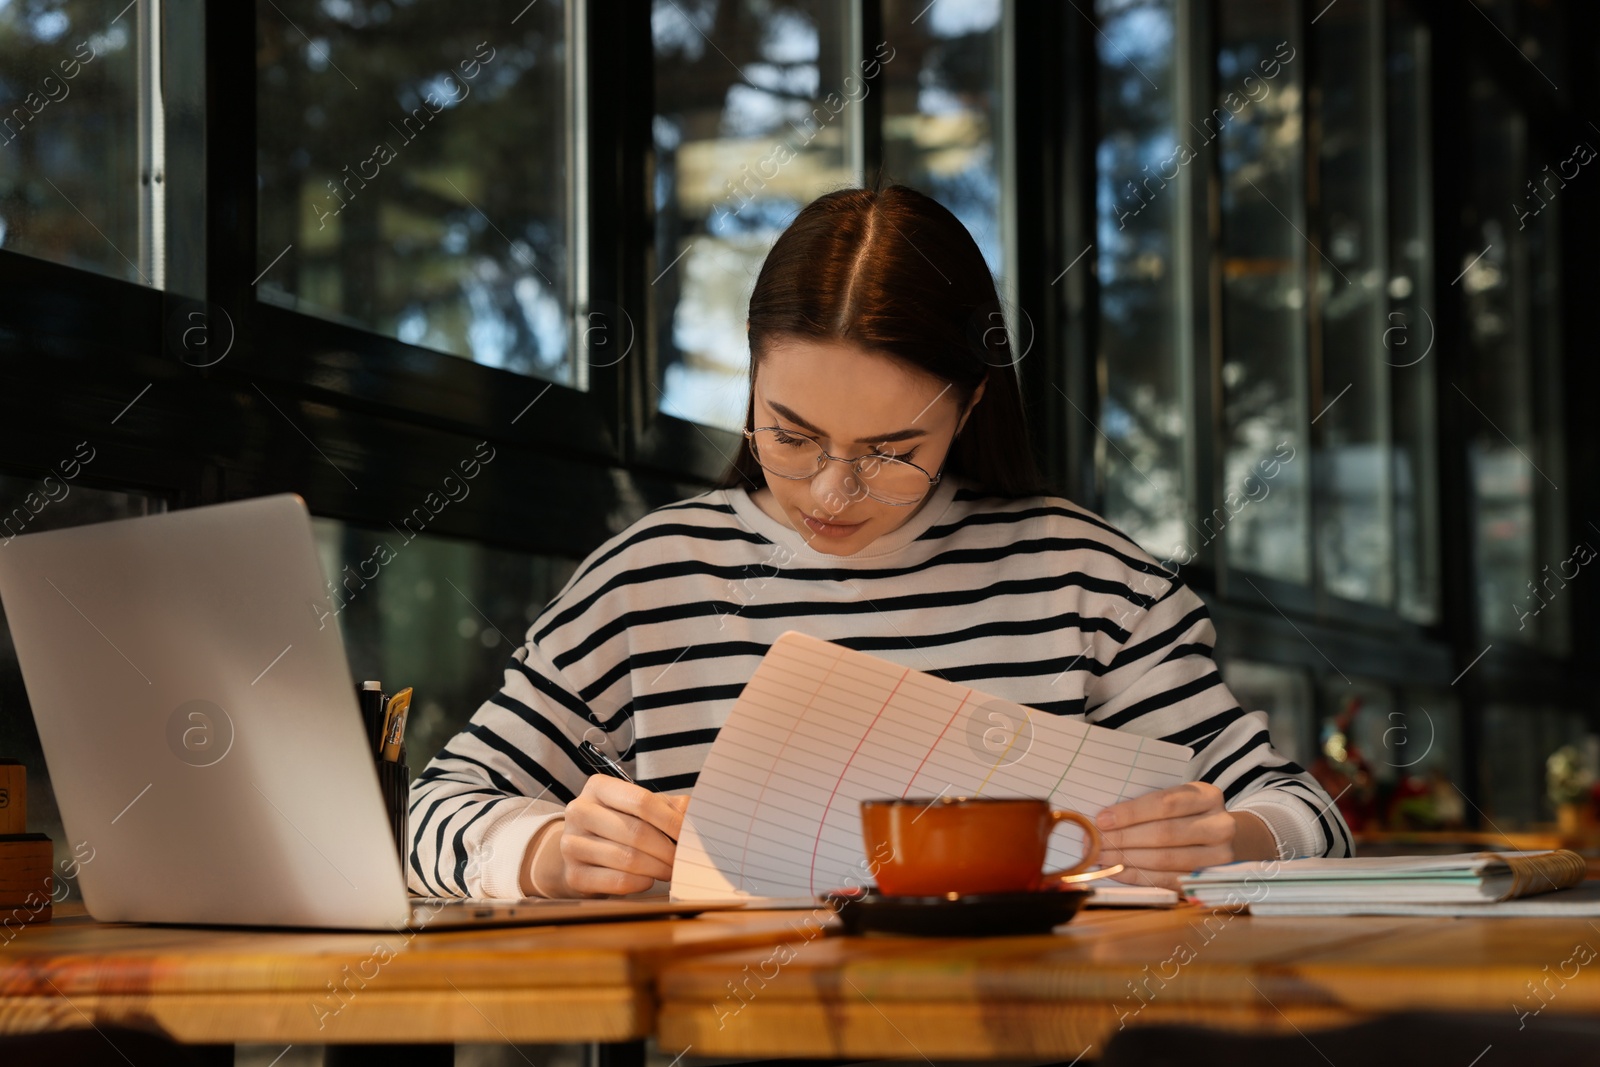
[[1385, 41], [1040, 136], [871, 32], [621, 100], [1579, 278], [230, 158], [1311, 117], [1450, 128], [1209, 424], [1549, 132], [230, 189], [1073, 444]]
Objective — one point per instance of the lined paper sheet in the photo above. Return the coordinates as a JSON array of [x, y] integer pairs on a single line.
[[776, 810]]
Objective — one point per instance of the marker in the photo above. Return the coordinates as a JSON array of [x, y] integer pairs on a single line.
[[394, 724]]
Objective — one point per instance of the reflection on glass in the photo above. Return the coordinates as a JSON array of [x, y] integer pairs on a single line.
[[1352, 763], [1517, 740], [1355, 529], [69, 135], [1362, 710], [1284, 693], [1260, 85], [1143, 169], [1411, 329], [441, 615], [1423, 738], [747, 130], [31, 505], [1402, 757], [944, 111], [414, 174], [1535, 28], [1513, 444]]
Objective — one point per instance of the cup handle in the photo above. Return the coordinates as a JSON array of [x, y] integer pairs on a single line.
[[1057, 879]]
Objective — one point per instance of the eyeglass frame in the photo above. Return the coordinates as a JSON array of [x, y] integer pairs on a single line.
[[855, 464]]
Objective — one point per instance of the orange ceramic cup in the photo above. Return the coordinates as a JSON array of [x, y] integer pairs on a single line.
[[964, 845]]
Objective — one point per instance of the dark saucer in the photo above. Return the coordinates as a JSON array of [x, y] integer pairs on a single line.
[[978, 915]]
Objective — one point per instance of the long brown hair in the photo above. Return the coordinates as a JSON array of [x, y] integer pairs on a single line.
[[893, 271]]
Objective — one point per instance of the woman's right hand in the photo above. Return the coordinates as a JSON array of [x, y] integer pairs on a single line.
[[617, 838]]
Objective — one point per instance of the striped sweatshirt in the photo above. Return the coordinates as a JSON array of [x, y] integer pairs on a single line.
[[645, 649]]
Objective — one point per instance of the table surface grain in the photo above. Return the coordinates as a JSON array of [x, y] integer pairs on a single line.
[[567, 982], [774, 984], [1059, 994]]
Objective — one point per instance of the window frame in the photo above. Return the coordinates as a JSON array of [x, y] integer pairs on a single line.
[[97, 357]]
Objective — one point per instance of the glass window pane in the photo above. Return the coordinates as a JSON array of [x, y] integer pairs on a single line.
[[415, 174], [1350, 762], [1284, 693], [1394, 758], [442, 615], [31, 506], [1410, 332], [1509, 283], [1263, 281], [944, 111], [1143, 173], [1355, 530], [69, 135], [1422, 743], [1517, 740], [757, 114]]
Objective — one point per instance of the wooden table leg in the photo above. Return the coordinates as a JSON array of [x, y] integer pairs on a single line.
[[109, 1044], [619, 1054]]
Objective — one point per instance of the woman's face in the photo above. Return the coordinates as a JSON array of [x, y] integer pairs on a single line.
[[854, 402]]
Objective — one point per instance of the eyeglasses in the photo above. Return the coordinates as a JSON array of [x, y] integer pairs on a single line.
[[795, 456]]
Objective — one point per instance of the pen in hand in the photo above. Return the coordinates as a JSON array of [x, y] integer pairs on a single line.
[[601, 762], [636, 802]]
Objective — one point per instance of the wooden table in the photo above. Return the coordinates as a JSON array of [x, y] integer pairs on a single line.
[[765, 984], [568, 983], [1055, 996]]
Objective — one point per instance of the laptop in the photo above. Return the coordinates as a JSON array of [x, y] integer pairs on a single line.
[[201, 729]]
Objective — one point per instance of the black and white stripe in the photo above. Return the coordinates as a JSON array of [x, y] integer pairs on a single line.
[[650, 642]]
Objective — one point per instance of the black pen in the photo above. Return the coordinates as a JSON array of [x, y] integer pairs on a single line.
[[606, 765], [602, 762], [372, 703]]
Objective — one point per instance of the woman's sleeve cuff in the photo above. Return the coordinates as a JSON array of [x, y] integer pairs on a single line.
[[505, 850], [1294, 831]]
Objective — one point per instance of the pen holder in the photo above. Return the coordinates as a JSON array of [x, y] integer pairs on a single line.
[[394, 779]]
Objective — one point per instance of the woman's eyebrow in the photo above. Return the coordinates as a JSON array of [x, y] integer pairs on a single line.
[[898, 435]]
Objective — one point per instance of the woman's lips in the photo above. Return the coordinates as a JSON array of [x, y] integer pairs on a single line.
[[830, 529]]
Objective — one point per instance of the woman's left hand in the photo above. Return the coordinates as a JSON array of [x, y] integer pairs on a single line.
[[1168, 833]]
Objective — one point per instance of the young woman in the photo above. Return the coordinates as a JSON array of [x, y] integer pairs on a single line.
[[887, 499]]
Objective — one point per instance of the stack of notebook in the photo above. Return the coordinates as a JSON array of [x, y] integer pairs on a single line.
[[1470, 883]]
